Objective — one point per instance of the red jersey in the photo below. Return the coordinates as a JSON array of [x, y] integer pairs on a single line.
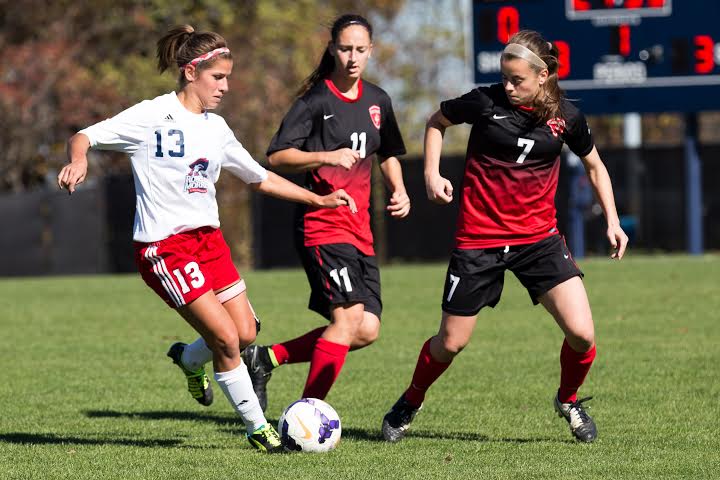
[[511, 168], [324, 120]]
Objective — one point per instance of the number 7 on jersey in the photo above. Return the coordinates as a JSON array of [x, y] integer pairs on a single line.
[[527, 144]]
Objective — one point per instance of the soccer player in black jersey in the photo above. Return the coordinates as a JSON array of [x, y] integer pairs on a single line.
[[507, 221], [333, 131]]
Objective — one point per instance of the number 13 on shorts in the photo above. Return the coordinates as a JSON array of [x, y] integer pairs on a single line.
[[197, 279]]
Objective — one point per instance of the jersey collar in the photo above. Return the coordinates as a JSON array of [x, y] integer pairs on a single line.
[[340, 95]]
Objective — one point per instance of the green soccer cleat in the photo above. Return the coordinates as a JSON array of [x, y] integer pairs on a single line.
[[266, 439], [197, 381], [582, 426]]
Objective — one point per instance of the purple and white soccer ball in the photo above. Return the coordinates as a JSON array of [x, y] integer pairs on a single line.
[[309, 425]]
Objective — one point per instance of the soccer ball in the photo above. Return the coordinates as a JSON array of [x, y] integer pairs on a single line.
[[309, 425]]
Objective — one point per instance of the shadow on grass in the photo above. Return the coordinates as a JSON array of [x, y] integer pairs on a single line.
[[376, 436], [51, 439], [166, 415], [368, 435]]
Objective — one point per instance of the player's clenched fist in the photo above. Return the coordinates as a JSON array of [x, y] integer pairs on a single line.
[[345, 158], [439, 190]]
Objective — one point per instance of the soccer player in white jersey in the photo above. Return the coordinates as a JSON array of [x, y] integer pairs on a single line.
[[177, 149]]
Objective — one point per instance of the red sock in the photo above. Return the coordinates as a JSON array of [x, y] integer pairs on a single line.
[[427, 371], [327, 361], [298, 349], [574, 367]]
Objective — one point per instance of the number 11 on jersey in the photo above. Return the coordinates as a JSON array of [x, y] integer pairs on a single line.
[[362, 139]]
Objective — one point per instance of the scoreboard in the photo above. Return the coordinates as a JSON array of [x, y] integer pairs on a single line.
[[615, 55]]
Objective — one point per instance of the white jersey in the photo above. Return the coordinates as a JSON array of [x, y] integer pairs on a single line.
[[176, 158]]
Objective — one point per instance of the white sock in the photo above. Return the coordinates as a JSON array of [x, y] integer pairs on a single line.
[[237, 387], [196, 354]]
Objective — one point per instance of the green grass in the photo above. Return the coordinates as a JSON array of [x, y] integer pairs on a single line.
[[88, 393]]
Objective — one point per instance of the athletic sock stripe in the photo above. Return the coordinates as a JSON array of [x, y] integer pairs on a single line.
[[161, 272]]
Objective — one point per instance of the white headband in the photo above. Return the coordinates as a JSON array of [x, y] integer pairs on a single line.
[[205, 57], [521, 51]]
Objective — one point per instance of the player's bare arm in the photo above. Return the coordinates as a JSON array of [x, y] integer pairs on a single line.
[[399, 204], [439, 190], [600, 180], [292, 160], [74, 173], [276, 186]]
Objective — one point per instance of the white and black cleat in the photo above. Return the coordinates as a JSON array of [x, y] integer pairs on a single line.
[[581, 424], [397, 421]]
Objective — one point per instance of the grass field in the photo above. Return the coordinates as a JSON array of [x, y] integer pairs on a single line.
[[88, 393]]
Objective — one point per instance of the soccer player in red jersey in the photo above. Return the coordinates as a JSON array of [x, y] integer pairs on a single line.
[[507, 221], [333, 131], [177, 149]]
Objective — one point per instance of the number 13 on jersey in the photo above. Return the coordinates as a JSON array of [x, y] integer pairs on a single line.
[[176, 139]]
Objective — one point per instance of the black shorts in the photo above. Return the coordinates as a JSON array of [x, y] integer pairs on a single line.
[[475, 277], [339, 273]]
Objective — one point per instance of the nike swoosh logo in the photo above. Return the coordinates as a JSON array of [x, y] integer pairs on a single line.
[[307, 435], [498, 117], [325, 117]]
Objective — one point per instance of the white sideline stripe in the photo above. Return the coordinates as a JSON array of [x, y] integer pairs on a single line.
[[160, 270], [232, 292]]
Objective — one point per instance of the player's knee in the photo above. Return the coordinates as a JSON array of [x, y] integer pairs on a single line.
[[225, 344], [246, 335], [366, 335], [451, 345], [581, 341], [582, 344], [351, 322], [246, 339]]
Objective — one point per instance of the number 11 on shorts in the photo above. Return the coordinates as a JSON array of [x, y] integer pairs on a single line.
[[454, 281], [345, 277]]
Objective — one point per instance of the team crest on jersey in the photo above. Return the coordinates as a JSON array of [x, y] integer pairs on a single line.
[[196, 179], [557, 126], [375, 115]]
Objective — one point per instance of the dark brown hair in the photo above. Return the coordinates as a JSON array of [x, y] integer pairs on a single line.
[[182, 44], [548, 103], [327, 62]]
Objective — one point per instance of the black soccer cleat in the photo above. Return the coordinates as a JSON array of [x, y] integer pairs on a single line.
[[260, 371], [582, 425], [197, 381], [397, 421]]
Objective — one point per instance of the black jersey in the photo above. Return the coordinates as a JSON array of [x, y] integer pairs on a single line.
[[512, 166], [324, 120]]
